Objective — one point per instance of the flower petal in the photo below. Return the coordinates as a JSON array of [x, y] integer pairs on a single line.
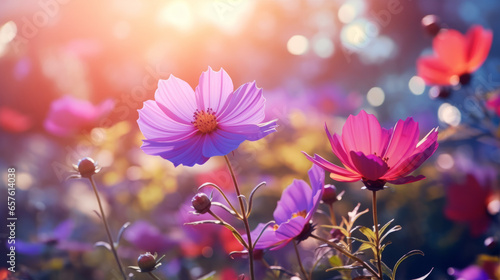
[[155, 124], [362, 133], [213, 89], [252, 132], [478, 46], [291, 228], [371, 167], [425, 148], [407, 180], [267, 239], [451, 48], [433, 71], [338, 149], [295, 198], [244, 106], [187, 152], [403, 141], [221, 143], [176, 99], [336, 173]]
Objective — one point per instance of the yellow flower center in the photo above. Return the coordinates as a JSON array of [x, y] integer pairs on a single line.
[[205, 121], [302, 213]]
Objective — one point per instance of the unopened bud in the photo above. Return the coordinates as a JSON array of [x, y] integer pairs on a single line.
[[329, 194], [87, 167], [146, 262], [431, 24], [336, 234], [201, 203]]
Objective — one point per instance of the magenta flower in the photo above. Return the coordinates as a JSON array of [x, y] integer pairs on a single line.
[[493, 103], [377, 155], [467, 201], [69, 115], [188, 127], [293, 213]]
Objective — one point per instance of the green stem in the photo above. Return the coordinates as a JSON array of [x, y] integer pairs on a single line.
[[332, 214], [377, 237], [110, 238], [276, 276], [244, 218], [346, 253], [153, 276], [299, 260]]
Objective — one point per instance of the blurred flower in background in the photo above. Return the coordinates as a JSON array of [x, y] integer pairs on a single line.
[[69, 115], [456, 56]]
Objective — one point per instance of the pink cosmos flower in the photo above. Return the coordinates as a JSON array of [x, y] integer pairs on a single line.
[[456, 56], [493, 103], [377, 155], [188, 127], [69, 115], [293, 213]]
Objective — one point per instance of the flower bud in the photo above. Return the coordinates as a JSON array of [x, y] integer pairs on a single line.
[[87, 167], [336, 234], [431, 24], [329, 194], [146, 262], [201, 203]]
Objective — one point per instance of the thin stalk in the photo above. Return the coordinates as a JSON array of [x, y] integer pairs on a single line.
[[347, 254], [377, 237], [332, 214], [110, 238], [153, 276], [299, 260], [244, 218], [276, 276]]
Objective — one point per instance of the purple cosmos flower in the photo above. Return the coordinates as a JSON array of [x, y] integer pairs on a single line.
[[293, 213], [188, 127], [58, 238], [69, 115], [147, 237]]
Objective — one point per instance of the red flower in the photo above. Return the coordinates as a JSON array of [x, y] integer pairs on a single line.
[[456, 56], [377, 155], [468, 202], [14, 121]]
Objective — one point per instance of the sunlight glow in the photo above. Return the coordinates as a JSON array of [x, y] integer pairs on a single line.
[[323, 46], [449, 114], [8, 32], [297, 45], [350, 10], [445, 161], [358, 34], [176, 13], [375, 96], [416, 85]]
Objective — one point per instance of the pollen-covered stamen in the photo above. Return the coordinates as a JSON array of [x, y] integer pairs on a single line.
[[302, 213], [205, 121], [385, 159]]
